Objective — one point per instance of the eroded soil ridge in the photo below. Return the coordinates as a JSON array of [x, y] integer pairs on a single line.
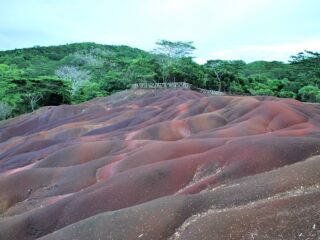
[[162, 164]]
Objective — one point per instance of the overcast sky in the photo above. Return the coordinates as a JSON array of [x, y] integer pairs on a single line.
[[220, 29]]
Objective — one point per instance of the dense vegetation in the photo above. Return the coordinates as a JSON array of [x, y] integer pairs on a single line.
[[73, 73]]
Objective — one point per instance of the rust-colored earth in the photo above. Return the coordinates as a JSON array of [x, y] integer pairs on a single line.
[[165, 164]]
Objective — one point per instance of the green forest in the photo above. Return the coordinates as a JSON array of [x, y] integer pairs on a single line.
[[68, 74]]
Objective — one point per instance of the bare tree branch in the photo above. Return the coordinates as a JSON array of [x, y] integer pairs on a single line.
[[5, 111], [33, 98], [73, 74]]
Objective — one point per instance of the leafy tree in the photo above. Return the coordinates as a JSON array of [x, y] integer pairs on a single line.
[[29, 79], [54, 91], [218, 68], [287, 94], [168, 53], [174, 49], [273, 70], [141, 70], [309, 58], [226, 73], [310, 93], [306, 66], [114, 81], [88, 91], [8, 87]]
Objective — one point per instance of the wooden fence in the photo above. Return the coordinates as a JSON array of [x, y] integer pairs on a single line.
[[175, 85]]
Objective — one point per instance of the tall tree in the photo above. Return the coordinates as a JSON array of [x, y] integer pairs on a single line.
[[9, 76], [169, 53], [174, 49], [219, 69], [307, 67]]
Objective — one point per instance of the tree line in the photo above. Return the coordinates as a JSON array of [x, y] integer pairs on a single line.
[[74, 73]]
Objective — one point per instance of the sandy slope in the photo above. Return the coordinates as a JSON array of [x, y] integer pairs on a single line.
[[165, 164]]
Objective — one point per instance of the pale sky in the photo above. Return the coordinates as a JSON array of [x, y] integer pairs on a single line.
[[220, 29]]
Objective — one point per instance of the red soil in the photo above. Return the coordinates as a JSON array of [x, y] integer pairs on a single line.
[[166, 164]]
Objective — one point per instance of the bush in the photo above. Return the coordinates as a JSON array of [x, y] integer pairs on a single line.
[[287, 94], [310, 93]]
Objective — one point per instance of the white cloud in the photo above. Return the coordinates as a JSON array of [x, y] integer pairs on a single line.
[[268, 52], [226, 29], [313, 44]]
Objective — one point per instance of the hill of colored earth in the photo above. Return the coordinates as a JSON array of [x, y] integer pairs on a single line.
[[162, 164]]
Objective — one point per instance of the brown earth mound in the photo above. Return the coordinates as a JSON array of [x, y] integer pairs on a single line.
[[165, 164]]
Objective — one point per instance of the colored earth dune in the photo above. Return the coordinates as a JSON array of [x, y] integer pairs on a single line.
[[162, 164]]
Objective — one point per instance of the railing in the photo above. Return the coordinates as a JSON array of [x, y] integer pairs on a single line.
[[209, 92], [182, 85], [175, 85]]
